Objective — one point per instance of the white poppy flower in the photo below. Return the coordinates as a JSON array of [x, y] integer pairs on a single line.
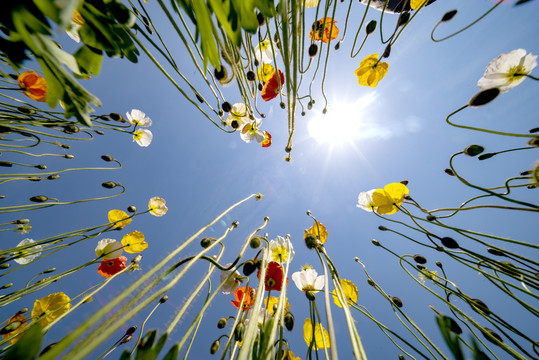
[[308, 280], [311, 3], [109, 249], [73, 31], [364, 200], [139, 118], [507, 70], [28, 254], [232, 283], [157, 206], [281, 249], [251, 131], [143, 137], [238, 116], [264, 52]]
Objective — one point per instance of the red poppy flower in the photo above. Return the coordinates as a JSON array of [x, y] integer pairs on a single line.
[[274, 276], [249, 300], [272, 88], [267, 139], [322, 29], [109, 267], [33, 86]]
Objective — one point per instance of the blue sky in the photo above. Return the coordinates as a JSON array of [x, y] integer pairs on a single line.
[[398, 132]]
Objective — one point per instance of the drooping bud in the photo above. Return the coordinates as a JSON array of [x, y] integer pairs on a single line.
[[387, 51], [226, 106], [239, 331], [53, 177], [398, 302], [282, 105], [220, 74], [126, 339], [420, 259], [206, 242], [235, 224], [163, 299], [484, 97], [41, 167], [251, 75], [71, 129], [132, 208], [310, 241], [289, 321], [371, 282], [99, 132], [249, 267], [22, 221], [382, 228], [48, 271], [486, 156], [199, 98], [5, 286], [449, 243], [496, 252], [109, 185], [371, 26], [22, 311], [131, 330], [260, 19], [221, 324], [474, 150], [116, 117], [449, 172], [311, 295], [313, 50], [431, 217], [255, 242], [375, 242], [39, 198], [107, 158], [215, 347], [403, 18], [491, 336], [449, 15]]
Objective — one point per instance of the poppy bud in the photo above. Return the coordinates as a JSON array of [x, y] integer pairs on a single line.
[[431, 217], [126, 339], [132, 209], [250, 75], [310, 241], [235, 224], [109, 185], [221, 112], [474, 150], [260, 19], [255, 242], [4, 266], [338, 45], [303, 113], [288, 149], [47, 348], [496, 252], [116, 116], [199, 98], [103, 117], [491, 336], [99, 132], [65, 146], [221, 324], [311, 295], [375, 242], [401, 357], [220, 74], [26, 110], [534, 130], [226, 106], [479, 306], [206, 242], [403, 18], [256, 63], [439, 264], [282, 105], [131, 330], [420, 267], [309, 105], [420, 259], [398, 302], [34, 178], [387, 51], [249, 267], [486, 156], [5, 286], [239, 331], [22, 311], [22, 221], [534, 141], [136, 260], [371, 282], [41, 167], [260, 87], [371, 26], [10, 327], [449, 15], [449, 243], [39, 198], [449, 172], [215, 347], [6, 164], [69, 156], [484, 97], [71, 129], [382, 228], [289, 321], [163, 299], [258, 196], [48, 271]]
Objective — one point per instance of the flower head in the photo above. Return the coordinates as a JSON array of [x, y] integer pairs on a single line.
[[134, 242], [318, 230], [267, 140], [119, 218], [143, 137], [271, 303], [17, 318], [388, 199], [350, 292], [108, 249], [73, 29], [508, 70], [364, 200], [230, 284], [416, 4], [371, 71], [264, 52], [238, 116], [265, 72], [33, 85], [51, 307], [308, 280], [274, 276], [281, 249], [248, 294], [251, 131], [23, 228], [273, 87], [138, 118], [27, 255], [426, 274], [157, 206], [109, 267], [323, 29], [321, 337]]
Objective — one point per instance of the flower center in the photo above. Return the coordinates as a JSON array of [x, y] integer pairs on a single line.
[[515, 73]]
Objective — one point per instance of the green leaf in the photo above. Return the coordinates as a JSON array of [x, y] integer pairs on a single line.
[[452, 341], [266, 7], [246, 14], [126, 355], [28, 345], [205, 26], [160, 343], [145, 346], [89, 59], [173, 353], [228, 19]]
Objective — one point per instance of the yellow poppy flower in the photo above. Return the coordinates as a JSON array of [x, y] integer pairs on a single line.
[[416, 4], [371, 71], [350, 292], [389, 198], [116, 215], [320, 335], [134, 242], [53, 306], [265, 72], [289, 355], [19, 323], [318, 230], [271, 303]]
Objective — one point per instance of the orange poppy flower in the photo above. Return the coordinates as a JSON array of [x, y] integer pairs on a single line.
[[322, 29], [109, 267], [33, 86], [272, 88], [249, 300], [274, 276], [267, 139], [17, 318]]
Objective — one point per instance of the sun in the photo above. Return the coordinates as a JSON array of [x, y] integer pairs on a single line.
[[343, 122]]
